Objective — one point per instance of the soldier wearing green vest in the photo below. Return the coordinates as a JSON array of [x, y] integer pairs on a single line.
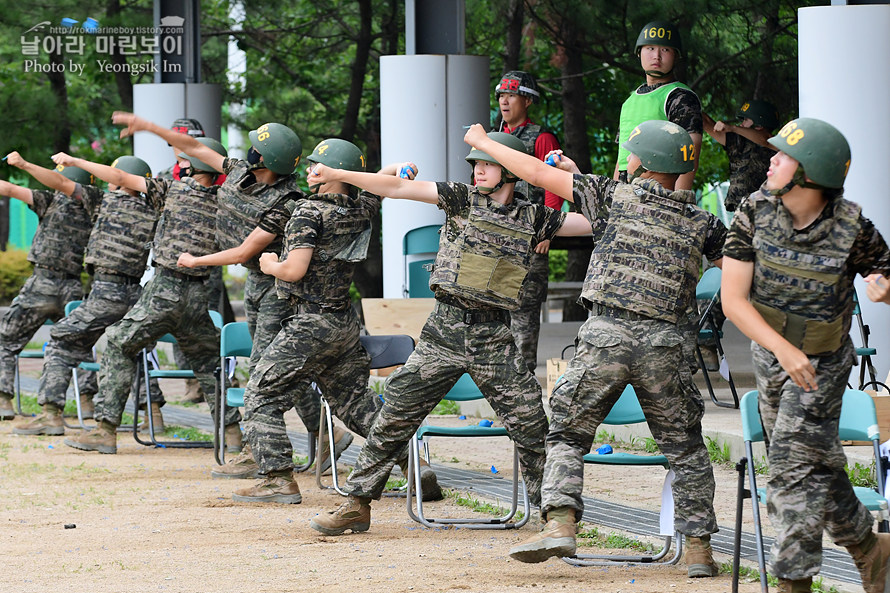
[[659, 48], [793, 251], [639, 284]]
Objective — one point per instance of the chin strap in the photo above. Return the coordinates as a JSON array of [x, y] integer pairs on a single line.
[[638, 172], [658, 73]]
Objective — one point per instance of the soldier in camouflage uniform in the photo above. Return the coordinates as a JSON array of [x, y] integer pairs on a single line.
[[515, 93], [794, 249], [173, 302], [639, 285], [746, 146], [659, 48], [484, 252], [57, 255]]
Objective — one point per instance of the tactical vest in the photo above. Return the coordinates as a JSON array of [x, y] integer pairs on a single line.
[[648, 259], [489, 260], [62, 235], [122, 234], [799, 284], [528, 135], [242, 203], [639, 108], [188, 225], [343, 241]]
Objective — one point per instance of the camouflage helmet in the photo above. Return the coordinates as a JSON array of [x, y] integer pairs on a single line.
[[819, 147], [197, 165], [338, 154], [132, 165], [762, 113], [519, 83], [507, 140], [189, 126], [279, 146], [660, 33], [76, 174], [662, 147]]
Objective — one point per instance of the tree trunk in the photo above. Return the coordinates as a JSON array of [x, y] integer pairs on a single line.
[[358, 70], [62, 129], [515, 18]]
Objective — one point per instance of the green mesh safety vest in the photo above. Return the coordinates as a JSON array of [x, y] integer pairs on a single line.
[[639, 108]]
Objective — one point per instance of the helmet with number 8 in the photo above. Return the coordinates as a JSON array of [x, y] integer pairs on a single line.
[[279, 146], [762, 113], [662, 147], [660, 33], [819, 147]]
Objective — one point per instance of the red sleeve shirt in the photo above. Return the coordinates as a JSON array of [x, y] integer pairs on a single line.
[[544, 143]]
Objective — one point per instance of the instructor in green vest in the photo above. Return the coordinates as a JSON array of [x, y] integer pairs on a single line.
[[662, 97]]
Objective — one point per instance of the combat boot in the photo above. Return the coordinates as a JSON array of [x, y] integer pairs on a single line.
[[87, 409], [342, 440], [193, 392], [157, 419], [103, 439], [240, 467], [47, 422], [277, 487], [353, 515], [700, 557], [6, 410], [801, 586], [872, 558], [233, 438], [556, 539], [430, 491]]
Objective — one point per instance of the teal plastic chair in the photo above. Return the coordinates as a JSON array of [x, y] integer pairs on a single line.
[[865, 353], [708, 289], [234, 342], [627, 410], [17, 380], [464, 389], [419, 249], [858, 422]]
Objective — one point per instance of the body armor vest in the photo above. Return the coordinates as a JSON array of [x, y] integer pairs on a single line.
[[639, 108], [188, 225], [528, 135], [122, 234], [489, 260], [343, 241], [242, 203], [799, 282], [62, 235], [648, 259]]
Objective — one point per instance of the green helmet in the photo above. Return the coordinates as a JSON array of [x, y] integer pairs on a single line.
[[762, 113], [132, 165], [519, 83], [819, 147], [197, 165], [76, 174], [338, 154], [660, 33], [662, 147], [279, 146], [507, 140]]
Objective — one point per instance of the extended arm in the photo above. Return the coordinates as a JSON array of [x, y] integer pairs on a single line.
[[390, 186], [714, 129], [51, 179], [256, 241], [290, 270], [575, 225], [103, 172], [16, 191], [878, 288], [182, 142]]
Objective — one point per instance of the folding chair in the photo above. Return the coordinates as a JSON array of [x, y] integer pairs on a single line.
[[157, 373], [385, 352], [858, 422], [464, 390], [17, 379], [708, 288], [627, 410], [864, 352], [419, 249]]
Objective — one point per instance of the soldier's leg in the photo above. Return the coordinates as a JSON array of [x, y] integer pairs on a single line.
[[526, 322], [345, 385]]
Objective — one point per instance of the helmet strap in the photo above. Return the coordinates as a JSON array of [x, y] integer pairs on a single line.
[[638, 172], [800, 179], [658, 73]]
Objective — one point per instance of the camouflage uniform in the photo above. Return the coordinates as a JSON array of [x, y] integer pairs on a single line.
[[173, 302], [467, 333], [748, 164], [801, 427], [634, 336], [57, 254], [319, 339]]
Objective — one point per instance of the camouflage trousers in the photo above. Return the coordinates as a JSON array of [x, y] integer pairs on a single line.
[[215, 288], [525, 323], [447, 349], [646, 353], [42, 297], [323, 347], [72, 339], [808, 490], [168, 304], [266, 315]]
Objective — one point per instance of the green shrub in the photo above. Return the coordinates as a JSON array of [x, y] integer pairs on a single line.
[[558, 259], [15, 269]]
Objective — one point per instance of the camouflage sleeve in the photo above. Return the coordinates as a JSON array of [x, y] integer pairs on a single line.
[[275, 219], [235, 167], [370, 202], [869, 253], [92, 198], [304, 227], [715, 239], [684, 109], [593, 196], [740, 240], [547, 222], [156, 191], [454, 197], [41, 199]]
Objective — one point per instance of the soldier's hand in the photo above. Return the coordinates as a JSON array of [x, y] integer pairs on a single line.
[[268, 261], [798, 367], [408, 170], [720, 126], [15, 159], [543, 247], [186, 260], [475, 135], [132, 122], [877, 288], [63, 158], [318, 174], [557, 159]]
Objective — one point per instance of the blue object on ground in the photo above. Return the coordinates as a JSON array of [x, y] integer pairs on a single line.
[[461, 417], [604, 450], [485, 423], [494, 470]]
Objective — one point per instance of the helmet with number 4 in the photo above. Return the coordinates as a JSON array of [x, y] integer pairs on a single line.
[[338, 154], [132, 165], [519, 83], [819, 147], [762, 113], [660, 33], [662, 147], [279, 146], [76, 174]]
